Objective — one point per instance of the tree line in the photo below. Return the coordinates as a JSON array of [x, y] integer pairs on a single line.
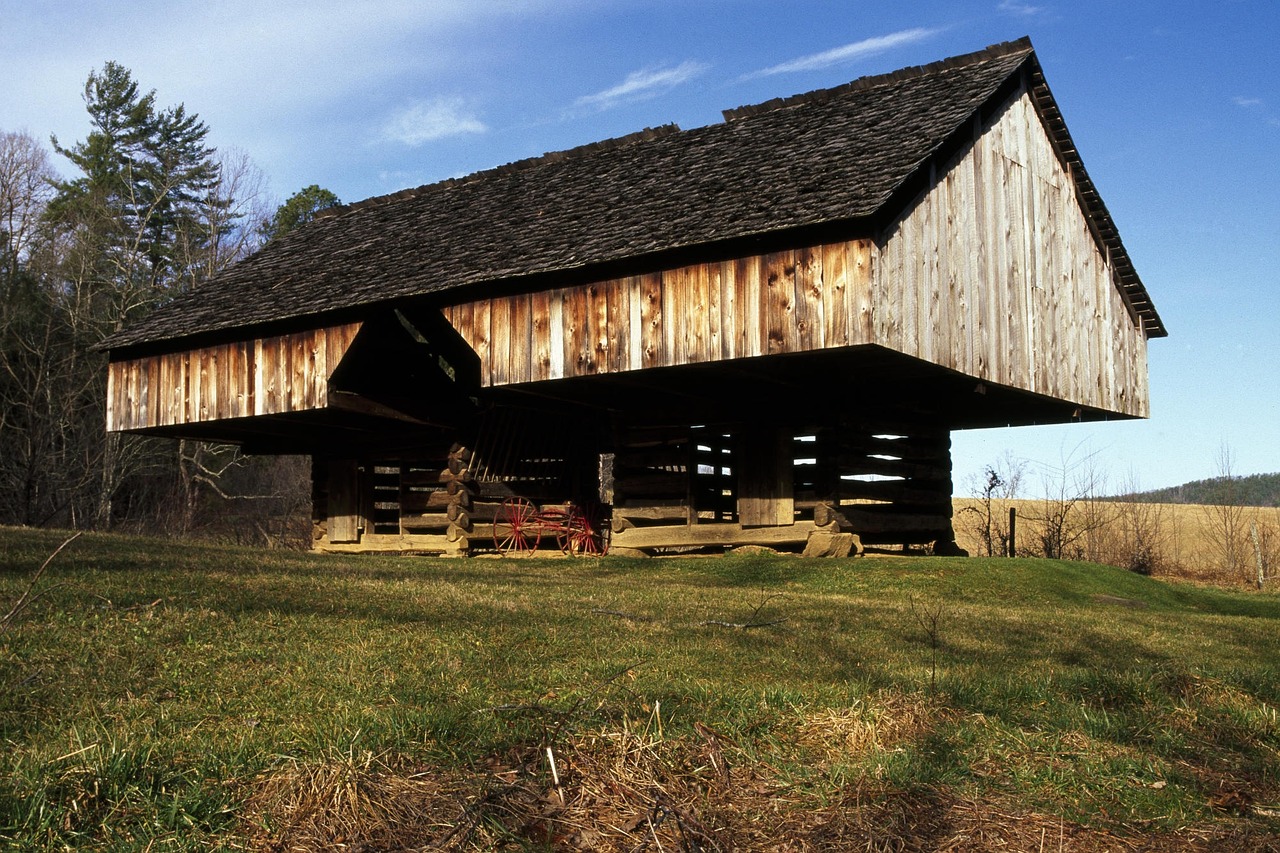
[[151, 211]]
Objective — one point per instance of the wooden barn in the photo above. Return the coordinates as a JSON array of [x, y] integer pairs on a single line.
[[759, 331]]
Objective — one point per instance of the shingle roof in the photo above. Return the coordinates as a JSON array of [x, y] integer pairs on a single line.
[[829, 156]]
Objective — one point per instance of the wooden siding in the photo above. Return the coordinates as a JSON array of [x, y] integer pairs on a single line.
[[791, 301], [993, 272], [264, 376]]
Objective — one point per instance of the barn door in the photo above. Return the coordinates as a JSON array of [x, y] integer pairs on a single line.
[[765, 493], [344, 501]]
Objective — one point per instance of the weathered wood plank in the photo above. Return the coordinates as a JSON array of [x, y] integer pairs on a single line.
[[617, 326], [711, 534], [810, 323], [765, 471], [651, 320], [836, 294], [343, 506], [541, 345], [635, 329], [778, 322]]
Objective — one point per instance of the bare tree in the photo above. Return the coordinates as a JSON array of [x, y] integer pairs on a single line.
[[1139, 543], [1072, 512], [26, 185], [1226, 525], [1000, 483]]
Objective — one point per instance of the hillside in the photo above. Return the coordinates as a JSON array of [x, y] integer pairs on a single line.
[[161, 696], [1253, 490]]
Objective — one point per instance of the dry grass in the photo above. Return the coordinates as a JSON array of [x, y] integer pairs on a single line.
[[1184, 539], [633, 788]]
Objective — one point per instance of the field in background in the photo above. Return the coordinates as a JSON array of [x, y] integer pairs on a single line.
[[1185, 541], [160, 696]]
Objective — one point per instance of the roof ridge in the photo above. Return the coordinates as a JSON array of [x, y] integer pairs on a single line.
[[640, 136], [995, 51]]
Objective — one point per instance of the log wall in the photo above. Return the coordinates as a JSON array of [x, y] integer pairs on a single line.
[[993, 272], [263, 376]]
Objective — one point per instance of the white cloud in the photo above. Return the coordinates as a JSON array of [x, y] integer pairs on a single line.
[[429, 120], [645, 83], [1017, 8], [1246, 102], [848, 53]]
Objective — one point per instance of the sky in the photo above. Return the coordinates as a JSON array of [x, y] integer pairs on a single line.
[[1173, 105]]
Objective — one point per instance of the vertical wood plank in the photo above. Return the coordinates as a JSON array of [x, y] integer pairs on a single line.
[[113, 388], [766, 496], [836, 294], [712, 274], [500, 341], [598, 323], [675, 318], [574, 319], [778, 331], [521, 336], [343, 502], [259, 380], [860, 257], [164, 389], [651, 319], [635, 323], [319, 377], [698, 300], [749, 277], [810, 322], [481, 336], [617, 325], [730, 305], [213, 389]]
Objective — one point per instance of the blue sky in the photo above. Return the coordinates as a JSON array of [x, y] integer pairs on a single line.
[[1175, 107]]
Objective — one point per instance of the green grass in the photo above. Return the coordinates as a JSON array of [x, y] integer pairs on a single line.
[[153, 686]]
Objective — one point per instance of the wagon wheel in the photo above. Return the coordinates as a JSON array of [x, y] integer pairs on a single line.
[[516, 529], [586, 533]]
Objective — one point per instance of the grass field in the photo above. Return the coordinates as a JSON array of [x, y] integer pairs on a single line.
[[160, 696]]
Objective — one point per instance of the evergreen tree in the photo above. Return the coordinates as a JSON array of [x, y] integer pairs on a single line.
[[299, 209], [139, 223], [148, 177]]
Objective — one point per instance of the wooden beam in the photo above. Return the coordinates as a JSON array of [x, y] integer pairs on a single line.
[[713, 534]]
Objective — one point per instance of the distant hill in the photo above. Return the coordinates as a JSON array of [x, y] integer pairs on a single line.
[[1253, 490]]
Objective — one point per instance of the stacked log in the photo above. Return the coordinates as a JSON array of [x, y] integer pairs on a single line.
[[459, 489]]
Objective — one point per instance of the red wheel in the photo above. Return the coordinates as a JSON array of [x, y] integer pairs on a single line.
[[516, 529], [586, 533]]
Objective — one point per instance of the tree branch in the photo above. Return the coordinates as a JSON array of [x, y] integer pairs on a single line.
[[26, 598]]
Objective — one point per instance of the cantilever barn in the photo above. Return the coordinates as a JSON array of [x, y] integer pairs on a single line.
[[742, 333]]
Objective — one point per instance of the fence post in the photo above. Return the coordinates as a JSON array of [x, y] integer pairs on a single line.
[[1257, 553], [1013, 531]]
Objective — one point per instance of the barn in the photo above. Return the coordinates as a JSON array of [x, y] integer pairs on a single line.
[[762, 331]]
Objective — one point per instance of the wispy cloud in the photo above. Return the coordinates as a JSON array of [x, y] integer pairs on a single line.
[[1015, 7], [429, 120], [847, 53], [1240, 101], [645, 83]]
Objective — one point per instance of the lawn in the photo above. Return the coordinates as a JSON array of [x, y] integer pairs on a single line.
[[164, 696]]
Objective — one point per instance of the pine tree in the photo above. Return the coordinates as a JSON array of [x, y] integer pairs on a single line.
[[299, 209], [138, 225], [148, 179]]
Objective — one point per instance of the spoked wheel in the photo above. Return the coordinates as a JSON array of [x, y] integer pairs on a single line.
[[586, 533], [516, 529]]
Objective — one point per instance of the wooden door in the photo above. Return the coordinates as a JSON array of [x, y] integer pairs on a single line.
[[765, 491]]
